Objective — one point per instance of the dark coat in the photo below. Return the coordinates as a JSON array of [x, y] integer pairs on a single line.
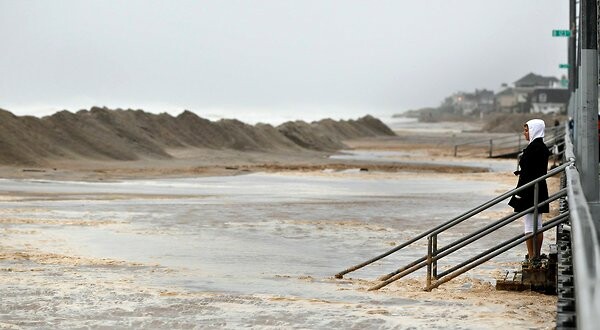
[[533, 164]]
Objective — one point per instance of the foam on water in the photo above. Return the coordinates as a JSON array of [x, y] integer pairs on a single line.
[[257, 250]]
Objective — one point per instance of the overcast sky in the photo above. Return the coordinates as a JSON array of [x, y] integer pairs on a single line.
[[269, 60]]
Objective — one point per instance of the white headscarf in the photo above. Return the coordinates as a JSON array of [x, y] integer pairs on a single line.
[[536, 129]]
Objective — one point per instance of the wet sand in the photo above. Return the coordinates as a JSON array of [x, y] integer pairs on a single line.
[[254, 250]]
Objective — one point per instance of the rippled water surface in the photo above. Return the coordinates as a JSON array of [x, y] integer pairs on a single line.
[[253, 250]]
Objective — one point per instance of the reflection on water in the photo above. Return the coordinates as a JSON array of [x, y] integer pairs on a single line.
[[253, 250]]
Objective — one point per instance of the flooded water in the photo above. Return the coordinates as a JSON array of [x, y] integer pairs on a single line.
[[256, 250], [492, 165]]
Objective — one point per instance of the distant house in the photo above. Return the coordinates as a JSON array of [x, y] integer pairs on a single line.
[[460, 102], [464, 103], [485, 100], [532, 80], [549, 100], [469, 103], [513, 99], [520, 98]]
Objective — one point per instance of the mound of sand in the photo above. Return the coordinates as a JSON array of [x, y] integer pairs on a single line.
[[104, 134], [328, 134]]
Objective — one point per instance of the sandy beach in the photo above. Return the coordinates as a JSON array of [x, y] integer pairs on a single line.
[[230, 239]]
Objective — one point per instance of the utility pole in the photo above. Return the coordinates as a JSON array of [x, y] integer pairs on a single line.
[[573, 65], [572, 76], [587, 158]]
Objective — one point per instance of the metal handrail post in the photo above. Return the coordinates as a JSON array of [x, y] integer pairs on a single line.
[[429, 257], [536, 192], [434, 254], [491, 147]]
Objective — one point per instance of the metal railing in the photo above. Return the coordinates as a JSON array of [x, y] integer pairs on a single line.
[[434, 254], [505, 145], [585, 242], [490, 147]]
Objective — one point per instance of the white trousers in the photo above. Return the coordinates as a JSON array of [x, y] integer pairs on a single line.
[[529, 222]]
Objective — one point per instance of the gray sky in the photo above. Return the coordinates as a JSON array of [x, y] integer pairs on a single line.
[[269, 60]]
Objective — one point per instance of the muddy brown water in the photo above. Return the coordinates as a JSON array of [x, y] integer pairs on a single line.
[[256, 250]]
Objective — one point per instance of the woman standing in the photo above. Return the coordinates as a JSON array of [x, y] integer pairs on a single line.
[[533, 164]]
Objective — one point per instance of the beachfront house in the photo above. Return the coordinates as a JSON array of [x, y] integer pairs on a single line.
[[550, 100], [464, 103], [485, 100], [513, 99], [482, 101], [520, 98], [532, 80]]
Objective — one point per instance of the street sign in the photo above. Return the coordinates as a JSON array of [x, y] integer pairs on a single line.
[[563, 66], [561, 33]]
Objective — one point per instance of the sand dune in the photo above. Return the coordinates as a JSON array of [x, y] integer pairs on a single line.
[[105, 134]]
